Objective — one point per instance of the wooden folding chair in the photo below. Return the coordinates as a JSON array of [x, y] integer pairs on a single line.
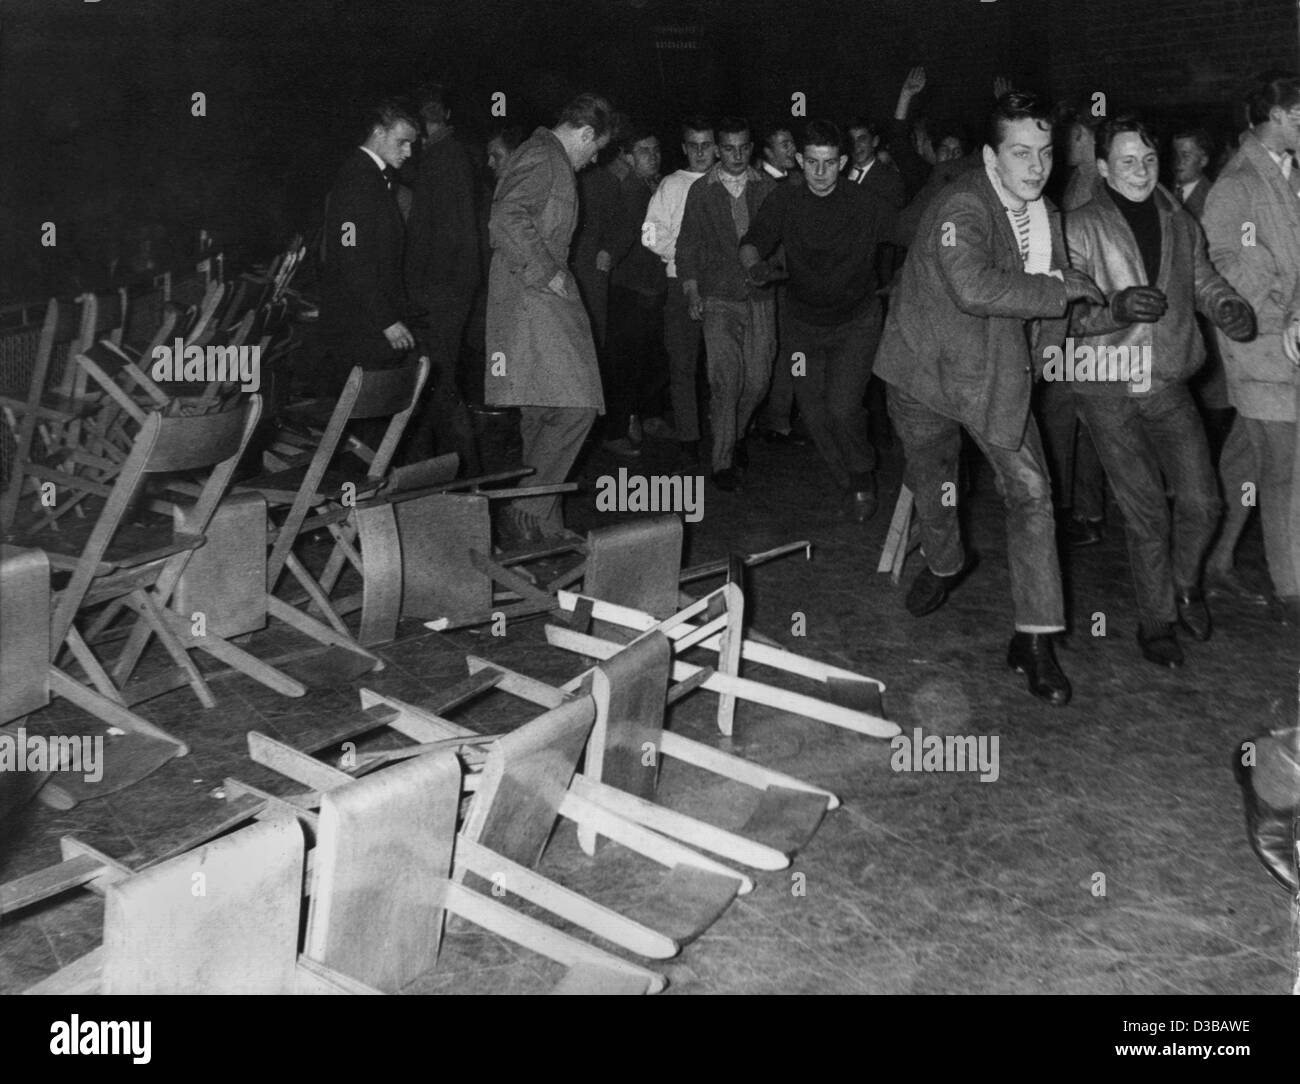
[[851, 700], [221, 920], [902, 538], [527, 784]]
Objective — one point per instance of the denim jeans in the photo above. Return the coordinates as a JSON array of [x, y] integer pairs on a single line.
[[832, 392], [1149, 444], [1077, 479], [741, 340], [932, 445]]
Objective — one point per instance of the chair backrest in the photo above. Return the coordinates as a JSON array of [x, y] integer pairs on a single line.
[[382, 863], [636, 564], [163, 444], [395, 390], [525, 777], [238, 936], [630, 690]]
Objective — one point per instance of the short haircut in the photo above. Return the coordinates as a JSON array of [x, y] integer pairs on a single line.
[[1200, 136], [1120, 125], [1273, 89], [773, 128], [511, 135], [732, 126], [822, 133], [697, 122], [634, 134], [1015, 106], [432, 98], [872, 127], [589, 111], [385, 114], [949, 129]]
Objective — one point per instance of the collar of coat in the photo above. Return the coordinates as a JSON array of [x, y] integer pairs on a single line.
[[977, 180], [1254, 152], [714, 176]]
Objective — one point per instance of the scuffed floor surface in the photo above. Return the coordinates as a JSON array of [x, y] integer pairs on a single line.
[[923, 882]]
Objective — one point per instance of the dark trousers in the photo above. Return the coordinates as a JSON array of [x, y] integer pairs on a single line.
[[1078, 482], [635, 372], [932, 445], [682, 338], [1150, 444], [442, 423], [775, 415], [837, 362], [593, 285]]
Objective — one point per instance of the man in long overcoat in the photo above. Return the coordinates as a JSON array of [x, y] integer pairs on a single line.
[[540, 353]]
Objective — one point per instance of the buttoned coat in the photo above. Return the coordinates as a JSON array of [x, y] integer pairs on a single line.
[[967, 325], [1252, 224], [708, 247], [539, 346]]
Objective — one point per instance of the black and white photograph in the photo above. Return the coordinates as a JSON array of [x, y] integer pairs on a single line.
[[651, 497]]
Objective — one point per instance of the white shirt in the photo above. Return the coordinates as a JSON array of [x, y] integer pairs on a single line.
[[663, 218], [858, 172], [772, 171], [1185, 190], [1283, 162]]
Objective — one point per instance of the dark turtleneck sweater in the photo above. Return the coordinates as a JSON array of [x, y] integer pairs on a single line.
[[1144, 220]]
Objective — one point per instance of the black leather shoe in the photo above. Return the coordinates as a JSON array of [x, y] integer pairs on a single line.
[[928, 591], [1193, 614], [1160, 646], [1229, 583], [1272, 831], [1031, 654], [727, 479], [1081, 533], [860, 504]]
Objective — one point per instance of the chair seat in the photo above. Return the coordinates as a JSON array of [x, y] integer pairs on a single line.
[[281, 486], [132, 545]]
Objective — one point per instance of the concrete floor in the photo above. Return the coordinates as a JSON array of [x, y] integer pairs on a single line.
[[922, 882]]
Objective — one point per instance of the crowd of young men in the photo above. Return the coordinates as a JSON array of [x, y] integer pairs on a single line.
[[774, 249]]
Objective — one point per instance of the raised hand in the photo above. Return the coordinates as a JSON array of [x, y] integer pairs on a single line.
[[915, 82]]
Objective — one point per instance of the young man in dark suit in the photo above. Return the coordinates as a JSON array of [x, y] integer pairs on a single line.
[[363, 297]]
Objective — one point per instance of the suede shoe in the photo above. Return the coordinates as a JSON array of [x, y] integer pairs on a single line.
[[1031, 654], [1160, 645], [1193, 614]]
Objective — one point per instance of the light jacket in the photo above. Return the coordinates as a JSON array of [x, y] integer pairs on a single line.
[[708, 248], [1103, 247], [967, 324], [539, 346], [1252, 224]]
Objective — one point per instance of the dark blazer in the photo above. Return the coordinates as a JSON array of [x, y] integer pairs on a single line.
[[708, 248], [362, 290], [884, 181], [1195, 203], [967, 325], [442, 245]]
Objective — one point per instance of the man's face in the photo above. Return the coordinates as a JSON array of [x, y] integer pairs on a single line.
[[435, 120], [1082, 145], [1286, 122], [393, 144], [736, 148], [1023, 159], [779, 150], [700, 149], [496, 155], [586, 147], [1131, 168], [645, 157], [948, 150], [821, 168], [864, 146], [1189, 161]]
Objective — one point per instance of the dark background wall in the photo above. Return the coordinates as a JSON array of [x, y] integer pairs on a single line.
[[98, 136]]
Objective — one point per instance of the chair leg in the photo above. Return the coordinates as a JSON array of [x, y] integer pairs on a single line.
[[316, 595], [94, 669], [149, 609], [295, 618], [104, 709]]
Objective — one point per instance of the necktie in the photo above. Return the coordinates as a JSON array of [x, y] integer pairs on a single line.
[[390, 177]]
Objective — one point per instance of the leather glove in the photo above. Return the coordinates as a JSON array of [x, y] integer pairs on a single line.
[[763, 273], [1079, 287], [1236, 319], [1139, 304]]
